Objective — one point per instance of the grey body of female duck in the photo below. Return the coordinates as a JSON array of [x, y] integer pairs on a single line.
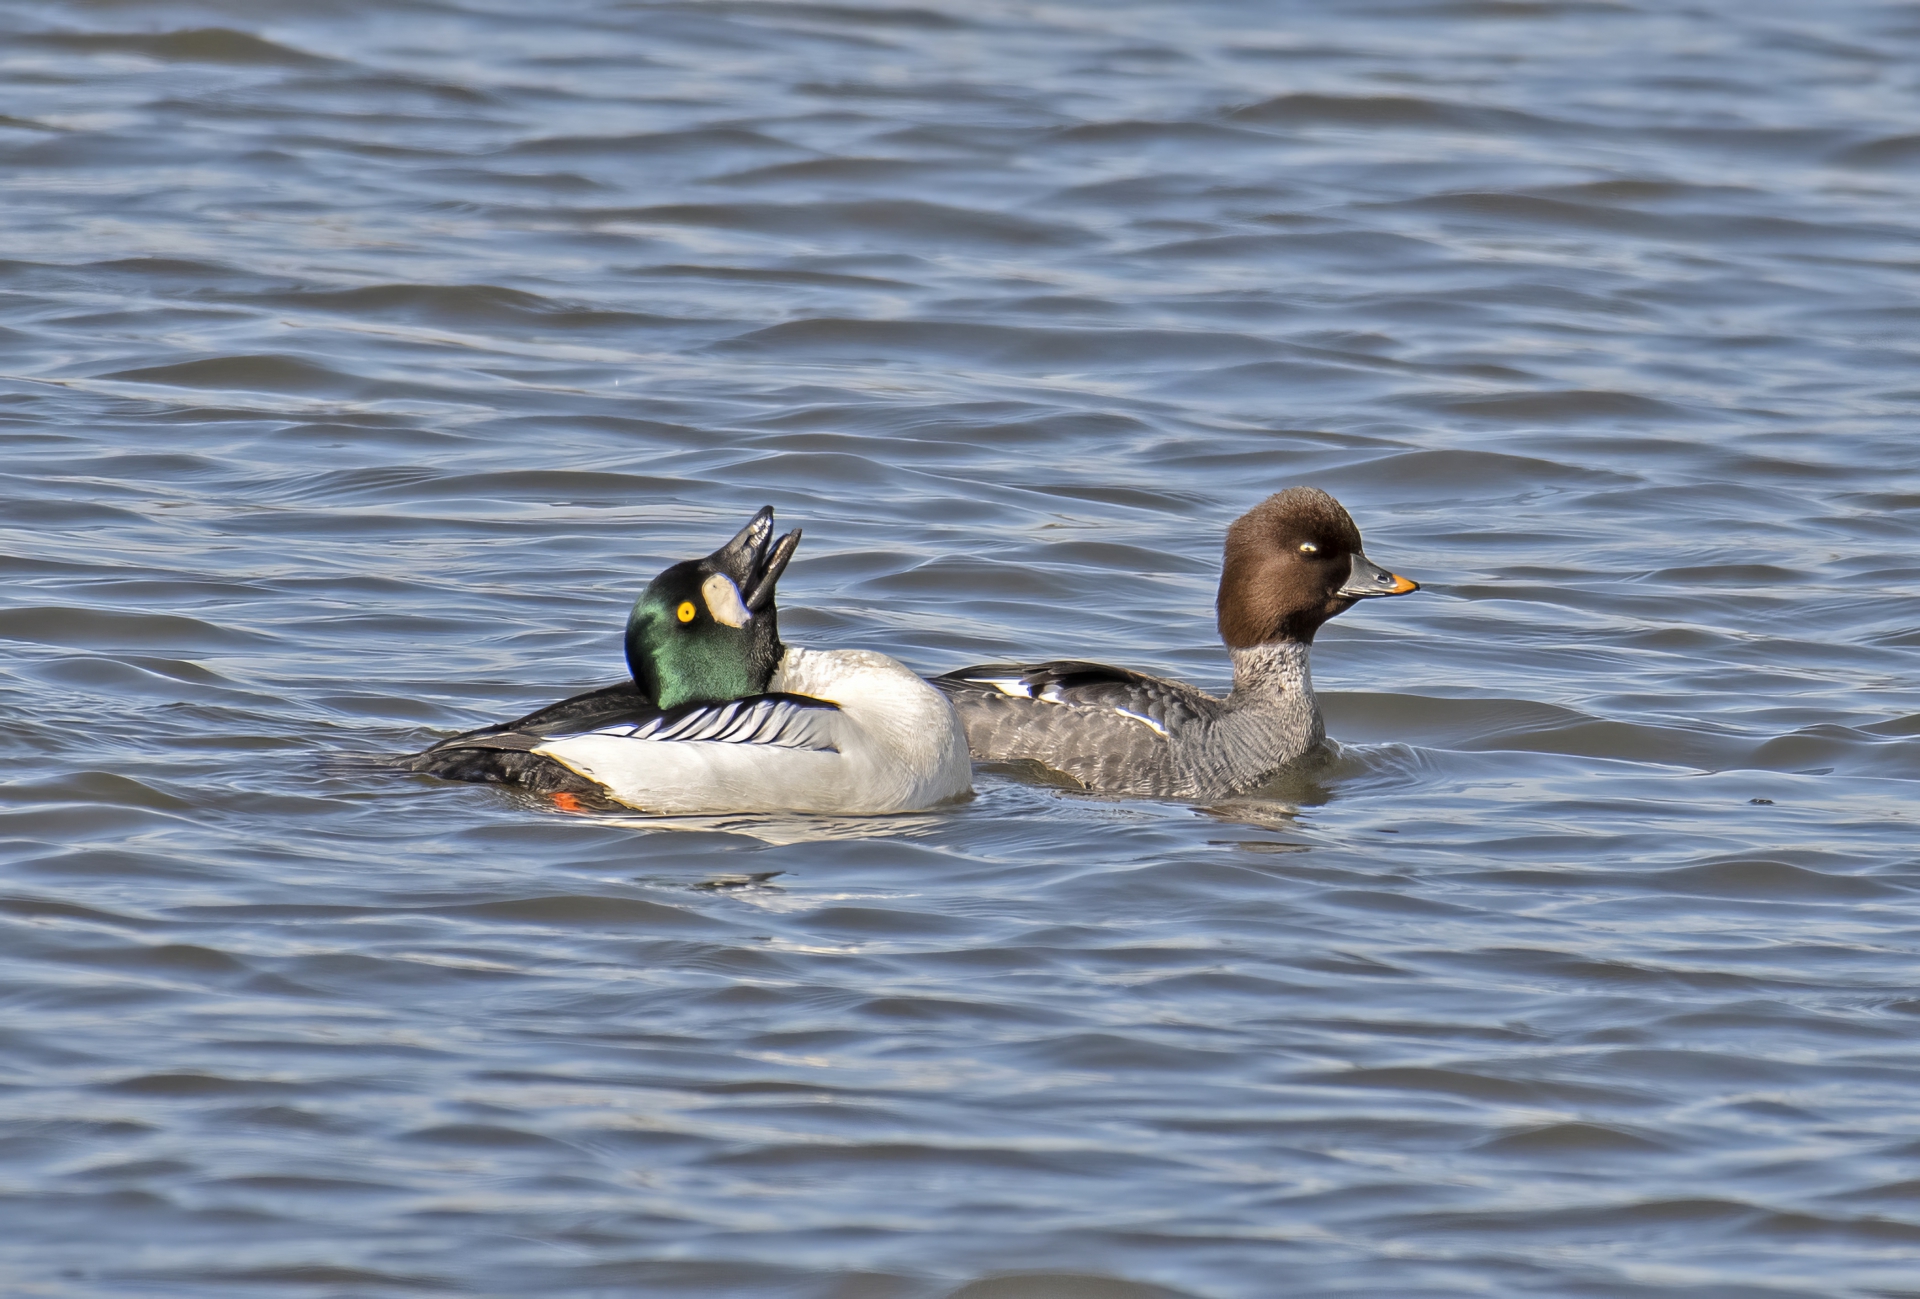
[[1292, 562]]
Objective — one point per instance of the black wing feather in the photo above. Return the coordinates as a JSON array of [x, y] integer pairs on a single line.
[[622, 701], [503, 754], [1076, 683], [782, 720]]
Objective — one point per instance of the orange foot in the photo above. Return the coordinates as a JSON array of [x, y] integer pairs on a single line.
[[568, 802]]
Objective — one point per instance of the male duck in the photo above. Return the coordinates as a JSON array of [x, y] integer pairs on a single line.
[[721, 717], [1292, 562]]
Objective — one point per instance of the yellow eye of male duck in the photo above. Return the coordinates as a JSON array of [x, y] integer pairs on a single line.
[[685, 611]]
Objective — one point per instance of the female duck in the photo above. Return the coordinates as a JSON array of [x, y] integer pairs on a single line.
[[1292, 562], [721, 717]]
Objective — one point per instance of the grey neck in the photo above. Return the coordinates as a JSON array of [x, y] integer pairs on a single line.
[[1270, 719], [1276, 672]]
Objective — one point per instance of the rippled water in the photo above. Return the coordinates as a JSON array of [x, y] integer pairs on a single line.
[[362, 360]]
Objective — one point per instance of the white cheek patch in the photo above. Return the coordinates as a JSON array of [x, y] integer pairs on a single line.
[[724, 602]]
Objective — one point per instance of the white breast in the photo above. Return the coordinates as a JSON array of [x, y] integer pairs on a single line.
[[902, 744]]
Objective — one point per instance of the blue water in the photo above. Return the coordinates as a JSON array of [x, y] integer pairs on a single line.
[[359, 363]]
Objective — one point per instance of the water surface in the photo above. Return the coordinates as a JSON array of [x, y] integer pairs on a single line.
[[360, 362]]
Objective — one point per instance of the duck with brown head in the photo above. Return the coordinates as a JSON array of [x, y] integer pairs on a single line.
[[1292, 562]]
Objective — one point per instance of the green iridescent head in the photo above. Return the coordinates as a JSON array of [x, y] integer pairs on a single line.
[[707, 629]]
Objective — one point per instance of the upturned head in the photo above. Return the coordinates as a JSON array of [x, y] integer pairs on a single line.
[[707, 629]]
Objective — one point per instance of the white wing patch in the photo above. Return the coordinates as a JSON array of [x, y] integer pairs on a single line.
[[1156, 727], [783, 723], [1051, 693]]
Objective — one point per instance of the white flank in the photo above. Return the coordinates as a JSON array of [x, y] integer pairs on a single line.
[[897, 747]]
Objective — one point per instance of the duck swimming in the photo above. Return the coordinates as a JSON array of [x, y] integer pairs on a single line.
[[719, 716], [1292, 562]]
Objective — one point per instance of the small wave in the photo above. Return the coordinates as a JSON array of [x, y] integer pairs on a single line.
[[193, 45]]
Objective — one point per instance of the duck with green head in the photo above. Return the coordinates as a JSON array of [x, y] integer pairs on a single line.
[[720, 716], [708, 629]]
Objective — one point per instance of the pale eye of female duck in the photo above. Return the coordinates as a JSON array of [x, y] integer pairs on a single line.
[[685, 611], [1308, 548]]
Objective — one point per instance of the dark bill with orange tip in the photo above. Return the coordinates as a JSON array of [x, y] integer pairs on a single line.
[[1368, 579]]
